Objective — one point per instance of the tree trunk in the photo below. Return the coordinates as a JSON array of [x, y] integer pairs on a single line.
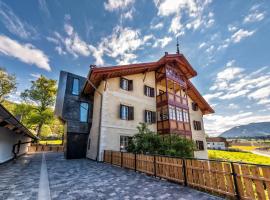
[[39, 129]]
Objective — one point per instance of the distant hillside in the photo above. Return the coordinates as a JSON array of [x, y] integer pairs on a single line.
[[249, 130]]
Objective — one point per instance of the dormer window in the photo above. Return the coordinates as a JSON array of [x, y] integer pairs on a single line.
[[126, 84], [75, 86]]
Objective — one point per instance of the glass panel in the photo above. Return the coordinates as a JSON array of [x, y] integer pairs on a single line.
[[84, 112], [172, 112], [124, 140], [75, 86]]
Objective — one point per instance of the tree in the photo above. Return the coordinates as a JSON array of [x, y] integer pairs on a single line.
[[7, 84], [149, 142], [42, 95]]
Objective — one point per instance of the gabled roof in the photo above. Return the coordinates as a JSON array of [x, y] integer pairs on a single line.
[[97, 74], [9, 121]]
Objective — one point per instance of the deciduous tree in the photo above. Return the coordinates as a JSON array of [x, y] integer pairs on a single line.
[[7, 84]]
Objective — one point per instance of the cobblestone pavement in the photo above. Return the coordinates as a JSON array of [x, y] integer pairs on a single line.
[[85, 179]]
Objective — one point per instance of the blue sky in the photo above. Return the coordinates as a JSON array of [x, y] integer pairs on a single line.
[[227, 42]]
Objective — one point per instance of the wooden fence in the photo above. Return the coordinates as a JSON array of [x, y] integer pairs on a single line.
[[40, 148], [233, 180]]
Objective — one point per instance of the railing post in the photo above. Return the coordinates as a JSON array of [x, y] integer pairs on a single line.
[[135, 161], [121, 159], [235, 181], [184, 172], [155, 167], [111, 157], [104, 154]]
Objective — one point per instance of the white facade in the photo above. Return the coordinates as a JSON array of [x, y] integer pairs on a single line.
[[7, 139], [111, 127], [216, 145]]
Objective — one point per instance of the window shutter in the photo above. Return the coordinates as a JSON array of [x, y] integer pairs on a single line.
[[145, 90], [145, 116], [152, 91], [130, 85], [121, 83], [130, 113], [120, 112], [154, 117], [194, 124]]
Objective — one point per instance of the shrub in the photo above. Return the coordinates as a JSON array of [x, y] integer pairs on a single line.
[[149, 142]]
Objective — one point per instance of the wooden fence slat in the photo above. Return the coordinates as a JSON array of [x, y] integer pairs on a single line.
[[266, 174], [229, 178], [247, 182], [255, 171]]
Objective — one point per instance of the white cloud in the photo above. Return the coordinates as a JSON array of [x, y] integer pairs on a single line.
[[112, 5], [14, 24], [241, 34], [203, 44], [261, 94], [35, 75], [43, 6], [179, 9], [232, 28], [230, 63], [162, 42], [208, 97], [128, 14], [233, 106], [26, 53], [157, 26], [255, 15]]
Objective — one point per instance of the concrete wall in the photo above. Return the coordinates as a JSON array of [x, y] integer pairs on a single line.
[[197, 134], [7, 140]]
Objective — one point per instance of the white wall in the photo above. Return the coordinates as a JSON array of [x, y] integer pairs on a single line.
[[7, 140], [216, 145]]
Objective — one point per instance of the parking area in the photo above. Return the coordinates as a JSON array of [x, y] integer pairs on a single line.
[[50, 176]]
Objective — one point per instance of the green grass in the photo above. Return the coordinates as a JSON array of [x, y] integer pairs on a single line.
[[238, 156], [57, 142]]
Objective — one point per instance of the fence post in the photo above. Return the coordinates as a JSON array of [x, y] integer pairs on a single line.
[[235, 182], [121, 159], [111, 157], [155, 167], [184, 172], [104, 154], [135, 161]]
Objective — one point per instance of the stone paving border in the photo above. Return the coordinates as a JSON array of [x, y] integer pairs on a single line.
[[44, 187]]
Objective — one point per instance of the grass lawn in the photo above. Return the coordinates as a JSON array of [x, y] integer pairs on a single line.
[[57, 142], [238, 156]]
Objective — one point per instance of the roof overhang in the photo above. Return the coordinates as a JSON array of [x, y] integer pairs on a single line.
[[10, 122]]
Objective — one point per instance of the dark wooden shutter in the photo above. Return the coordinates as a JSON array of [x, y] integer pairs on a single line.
[[194, 124], [130, 113], [130, 85], [145, 90], [120, 111], [145, 116], [121, 83], [152, 92], [154, 118]]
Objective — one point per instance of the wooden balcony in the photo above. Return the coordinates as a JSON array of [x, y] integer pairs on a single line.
[[172, 99]]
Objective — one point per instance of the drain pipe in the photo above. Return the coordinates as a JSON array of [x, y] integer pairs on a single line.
[[15, 150], [100, 117]]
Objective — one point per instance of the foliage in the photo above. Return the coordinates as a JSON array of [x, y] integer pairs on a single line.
[[7, 84], [57, 142], [42, 94], [149, 142], [238, 156]]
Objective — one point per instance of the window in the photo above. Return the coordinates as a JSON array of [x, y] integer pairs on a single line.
[[124, 140], [149, 91], [84, 112], [149, 116], [126, 84], [179, 116], [194, 106], [197, 125], [199, 145], [126, 112], [172, 112], [75, 86], [185, 115]]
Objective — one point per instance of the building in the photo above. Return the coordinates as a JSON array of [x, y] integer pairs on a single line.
[[217, 143], [14, 137], [74, 109], [158, 93]]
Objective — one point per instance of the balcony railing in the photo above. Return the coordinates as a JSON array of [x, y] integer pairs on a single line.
[[172, 99]]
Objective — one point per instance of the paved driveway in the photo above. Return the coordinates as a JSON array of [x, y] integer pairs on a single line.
[[57, 178]]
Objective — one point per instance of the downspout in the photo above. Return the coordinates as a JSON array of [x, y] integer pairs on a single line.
[[100, 117], [16, 151]]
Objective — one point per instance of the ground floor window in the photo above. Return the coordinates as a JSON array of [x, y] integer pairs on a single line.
[[199, 145], [124, 140]]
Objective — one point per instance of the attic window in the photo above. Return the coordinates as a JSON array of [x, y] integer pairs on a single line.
[[126, 84], [194, 106]]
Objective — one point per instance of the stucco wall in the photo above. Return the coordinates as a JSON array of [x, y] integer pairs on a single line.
[[7, 140], [197, 134]]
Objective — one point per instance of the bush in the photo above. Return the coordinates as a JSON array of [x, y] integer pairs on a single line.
[[149, 142]]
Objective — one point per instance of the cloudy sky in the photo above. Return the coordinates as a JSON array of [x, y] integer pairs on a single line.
[[226, 41]]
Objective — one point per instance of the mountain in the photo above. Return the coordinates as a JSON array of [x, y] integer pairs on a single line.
[[249, 130]]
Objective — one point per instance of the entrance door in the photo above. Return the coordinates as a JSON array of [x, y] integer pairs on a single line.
[[76, 145]]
